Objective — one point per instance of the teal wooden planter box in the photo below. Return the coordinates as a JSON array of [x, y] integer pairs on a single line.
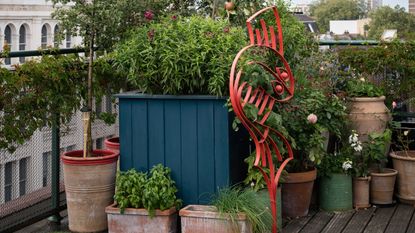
[[335, 193], [192, 135]]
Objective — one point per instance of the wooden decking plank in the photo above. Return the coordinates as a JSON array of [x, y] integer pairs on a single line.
[[411, 227], [338, 222], [359, 221], [296, 225], [400, 219], [380, 220], [318, 222]]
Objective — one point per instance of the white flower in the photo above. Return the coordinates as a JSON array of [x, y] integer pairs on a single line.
[[358, 148], [362, 79], [347, 165], [406, 132]]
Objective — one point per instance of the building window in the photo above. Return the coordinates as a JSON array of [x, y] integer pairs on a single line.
[[55, 36], [22, 42], [68, 40], [108, 104], [22, 176], [44, 40], [98, 107], [98, 143], [46, 163], [8, 172], [8, 41]]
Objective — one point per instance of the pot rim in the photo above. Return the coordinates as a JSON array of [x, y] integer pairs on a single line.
[[387, 172], [75, 158], [114, 141], [395, 155], [300, 177], [207, 211], [113, 209], [367, 99], [362, 178]]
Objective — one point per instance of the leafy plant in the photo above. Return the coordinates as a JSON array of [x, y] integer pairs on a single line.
[[377, 147], [232, 201], [180, 56], [403, 140], [158, 191], [362, 88]]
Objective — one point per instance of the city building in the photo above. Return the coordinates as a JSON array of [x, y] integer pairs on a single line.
[[373, 4], [353, 27], [411, 6]]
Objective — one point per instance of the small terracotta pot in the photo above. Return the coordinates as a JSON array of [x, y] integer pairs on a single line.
[[382, 186], [297, 189], [89, 187], [367, 115], [404, 163], [361, 188], [206, 219], [139, 220], [112, 144]]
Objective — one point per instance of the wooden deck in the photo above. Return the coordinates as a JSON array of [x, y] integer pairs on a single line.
[[396, 219]]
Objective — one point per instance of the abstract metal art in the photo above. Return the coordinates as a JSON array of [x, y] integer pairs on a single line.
[[243, 92]]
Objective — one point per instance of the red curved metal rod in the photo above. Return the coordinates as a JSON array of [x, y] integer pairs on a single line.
[[243, 93]]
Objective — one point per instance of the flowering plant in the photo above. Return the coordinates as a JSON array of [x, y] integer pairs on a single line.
[[355, 86], [336, 163], [403, 140]]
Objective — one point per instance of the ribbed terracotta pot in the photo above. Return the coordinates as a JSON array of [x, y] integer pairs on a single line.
[[382, 185], [206, 219], [367, 115], [297, 189], [139, 220], [89, 187], [112, 144], [404, 163], [361, 188]]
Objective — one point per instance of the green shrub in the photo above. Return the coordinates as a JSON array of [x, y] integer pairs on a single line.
[[181, 56]]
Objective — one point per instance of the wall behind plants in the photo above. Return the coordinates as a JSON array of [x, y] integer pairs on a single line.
[[391, 65]]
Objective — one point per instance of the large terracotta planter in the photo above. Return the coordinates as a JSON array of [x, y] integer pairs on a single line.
[[297, 189], [335, 192], [367, 115], [112, 144], [382, 185], [361, 188], [206, 219], [89, 187], [139, 220], [404, 163]]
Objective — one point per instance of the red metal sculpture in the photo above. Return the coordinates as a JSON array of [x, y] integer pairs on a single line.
[[243, 92]]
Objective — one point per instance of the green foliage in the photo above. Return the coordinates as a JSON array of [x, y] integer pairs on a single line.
[[326, 10], [377, 147], [182, 56], [136, 190], [129, 189], [334, 163], [360, 87], [231, 201], [386, 17]]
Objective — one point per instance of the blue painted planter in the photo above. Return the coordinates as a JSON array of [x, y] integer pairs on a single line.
[[192, 135]]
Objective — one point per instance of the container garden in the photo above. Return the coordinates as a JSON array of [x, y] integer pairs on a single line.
[[368, 115], [335, 192], [139, 220], [361, 189], [296, 192], [206, 219], [404, 163], [192, 135], [382, 185], [89, 187]]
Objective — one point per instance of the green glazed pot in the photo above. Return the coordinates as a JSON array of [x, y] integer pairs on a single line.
[[335, 193]]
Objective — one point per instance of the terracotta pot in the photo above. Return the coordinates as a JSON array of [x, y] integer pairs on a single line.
[[139, 220], [89, 187], [368, 114], [206, 219], [112, 144], [296, 193], [382, 186], [404, 163], [361, 188]]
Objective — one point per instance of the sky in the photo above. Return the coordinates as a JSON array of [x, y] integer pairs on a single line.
[[391, 3]]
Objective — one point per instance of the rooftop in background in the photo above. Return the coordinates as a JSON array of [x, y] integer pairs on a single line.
[[309, 22]]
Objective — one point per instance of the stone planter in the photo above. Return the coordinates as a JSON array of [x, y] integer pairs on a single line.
[[89, 187], [297, 189], [206, 219], [335, 192], [368, 115], [404, 163], [139, 220], [361, 188], [382, 185]]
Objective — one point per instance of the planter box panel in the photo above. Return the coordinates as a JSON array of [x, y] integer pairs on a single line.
[[191, 136]]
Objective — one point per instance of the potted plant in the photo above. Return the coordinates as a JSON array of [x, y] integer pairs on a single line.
[[144, 203], [232, 210], [382, 179], [403, 159], [335, 187]]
